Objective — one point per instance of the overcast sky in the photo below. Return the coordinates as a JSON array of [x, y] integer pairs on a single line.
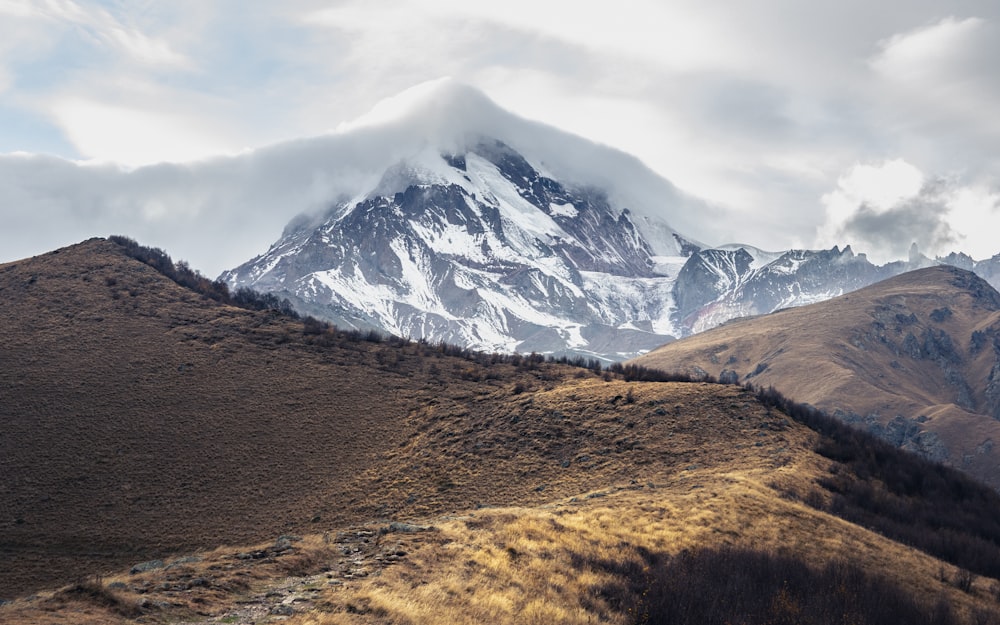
[[808, 123]]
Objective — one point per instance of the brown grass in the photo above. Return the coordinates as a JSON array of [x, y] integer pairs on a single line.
[[568, 562], [141, 420], [567, 559], [160, 424]]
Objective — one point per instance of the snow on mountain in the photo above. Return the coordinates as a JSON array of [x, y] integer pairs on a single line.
[[450, 219], [759, 256], [733, 281], [450, 117], [739, 281], [462, 222], [476, 248]]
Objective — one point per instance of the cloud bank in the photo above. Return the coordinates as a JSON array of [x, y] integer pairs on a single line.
[[762, 109], [217, 213], [884, 208]]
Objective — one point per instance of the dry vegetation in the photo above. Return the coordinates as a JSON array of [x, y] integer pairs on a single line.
[[606, 558], [426, 488], [142, 419]]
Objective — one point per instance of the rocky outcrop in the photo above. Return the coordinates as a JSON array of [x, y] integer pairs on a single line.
[[905, 433], [992, 391]]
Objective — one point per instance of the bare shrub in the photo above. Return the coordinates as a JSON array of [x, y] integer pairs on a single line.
[[738, 585], [964, 579]]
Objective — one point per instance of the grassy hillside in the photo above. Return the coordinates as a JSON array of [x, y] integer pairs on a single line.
[[141, 418], [367, 481], [915, 359], [733, 527]]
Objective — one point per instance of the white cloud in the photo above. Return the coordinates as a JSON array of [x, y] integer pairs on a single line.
[[18, 8], [218, 213], [882, 208], [928, 53], [761, 107], [941, 80], [91, 74], [105, 29], [974, 212], [677, 37], [671, 35], [880, 186], [135, 137], [660, 92]]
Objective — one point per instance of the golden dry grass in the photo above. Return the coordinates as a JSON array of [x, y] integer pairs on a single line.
[[557, 561]]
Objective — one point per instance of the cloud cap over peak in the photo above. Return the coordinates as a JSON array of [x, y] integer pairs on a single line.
[[218, 212], [442, 104]]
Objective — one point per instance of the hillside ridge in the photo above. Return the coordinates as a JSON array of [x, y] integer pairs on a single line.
[[912, 359]]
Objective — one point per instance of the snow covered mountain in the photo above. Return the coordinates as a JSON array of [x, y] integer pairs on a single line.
[[488, 231], [460, 222], [716, 285], [477, 249]]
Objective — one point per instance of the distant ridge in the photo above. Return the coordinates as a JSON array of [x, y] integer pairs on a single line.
[[915, 359]]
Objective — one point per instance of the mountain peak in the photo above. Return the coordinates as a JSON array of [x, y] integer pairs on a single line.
[[446, 116]]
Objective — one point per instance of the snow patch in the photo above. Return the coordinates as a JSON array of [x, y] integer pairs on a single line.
[[563, 210], [669, 266], [527, 217], [622, 302]]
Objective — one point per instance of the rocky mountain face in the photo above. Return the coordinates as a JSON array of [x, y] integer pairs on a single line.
[[478, 249], [716, 285], [510, 244], [915, 359]]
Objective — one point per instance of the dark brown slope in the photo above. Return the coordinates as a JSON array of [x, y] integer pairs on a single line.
[[914, 358], [139, 418]]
